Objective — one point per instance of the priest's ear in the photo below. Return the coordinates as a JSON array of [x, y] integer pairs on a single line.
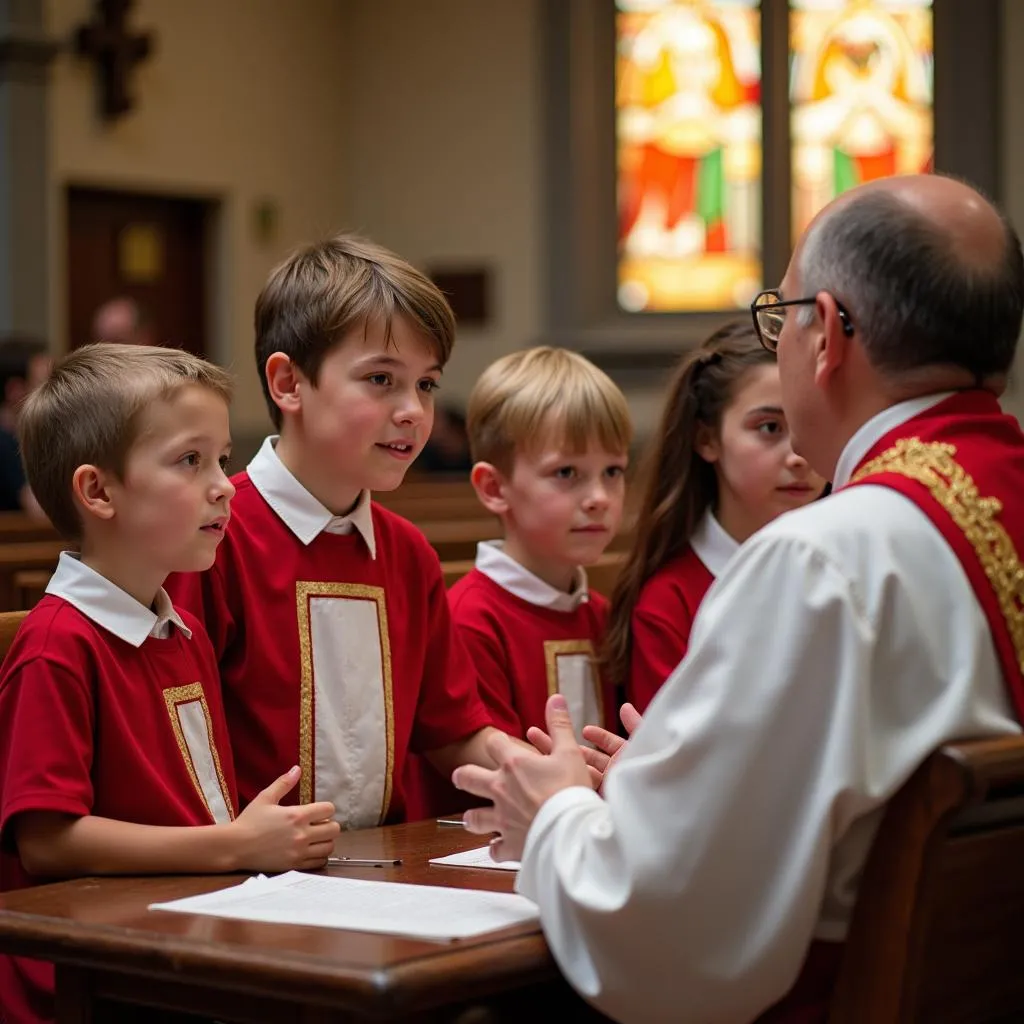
[[489, 485], [833, 344]]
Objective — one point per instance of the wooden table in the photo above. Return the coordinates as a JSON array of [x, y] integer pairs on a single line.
[[108, 946]]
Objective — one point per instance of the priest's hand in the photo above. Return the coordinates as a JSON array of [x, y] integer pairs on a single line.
[[523, 781], [607, 746]]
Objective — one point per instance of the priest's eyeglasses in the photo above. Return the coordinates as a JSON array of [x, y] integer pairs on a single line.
[[769, 313]]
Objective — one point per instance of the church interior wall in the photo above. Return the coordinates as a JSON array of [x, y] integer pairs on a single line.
[[241, 102], [418, 124]]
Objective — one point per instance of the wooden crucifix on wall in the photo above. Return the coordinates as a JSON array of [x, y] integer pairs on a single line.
[[115, 51]]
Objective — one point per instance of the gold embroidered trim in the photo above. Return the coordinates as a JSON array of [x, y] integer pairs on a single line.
[[304, 590], [175, 695], [554, 649], [934, 465]]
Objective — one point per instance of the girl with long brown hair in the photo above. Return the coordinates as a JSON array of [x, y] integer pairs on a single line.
[[720, 467]]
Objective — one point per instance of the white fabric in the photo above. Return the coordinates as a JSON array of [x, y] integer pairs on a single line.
[[196, 731], [109, 606], [492, 561], [351, 763], [576, 683], [840, 647], [303, 514], [875, 429], [712, 545]]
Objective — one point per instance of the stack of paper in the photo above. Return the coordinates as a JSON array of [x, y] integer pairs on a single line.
[[478, 858], [418, 911]]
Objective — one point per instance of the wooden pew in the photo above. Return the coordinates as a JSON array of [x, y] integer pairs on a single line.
[[454, 571], [429, 500], [30, 586], [456, 539], [10, 623], [14, 558], [16, 527], [936, 935]]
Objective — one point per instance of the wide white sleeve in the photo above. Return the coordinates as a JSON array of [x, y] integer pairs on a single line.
[[691, 892]]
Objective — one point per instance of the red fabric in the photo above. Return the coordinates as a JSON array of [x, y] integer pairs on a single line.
[[505, 638], [990, 448], [85, 729], [661, 624], [248, 603]]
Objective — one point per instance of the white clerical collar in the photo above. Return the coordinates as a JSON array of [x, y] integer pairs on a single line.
[[875, 429], [712, 545], [492, 561], [109, 606], [303, 514]]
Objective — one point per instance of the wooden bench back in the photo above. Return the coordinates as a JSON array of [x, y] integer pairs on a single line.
[[10, 623], [430, 500], [16, 527], [938, 931], [455, 540], [14, 558], [30, 587]]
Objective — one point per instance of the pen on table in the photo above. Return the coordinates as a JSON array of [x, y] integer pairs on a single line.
[[361, 862]]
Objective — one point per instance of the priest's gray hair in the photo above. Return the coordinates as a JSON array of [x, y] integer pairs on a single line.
[[913, 298]]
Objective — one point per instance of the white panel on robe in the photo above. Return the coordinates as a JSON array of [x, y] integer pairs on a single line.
[[196, 731], [350, 714], [577, 684]]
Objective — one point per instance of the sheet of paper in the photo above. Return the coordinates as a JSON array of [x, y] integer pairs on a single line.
[[478, 858], [420, 911]]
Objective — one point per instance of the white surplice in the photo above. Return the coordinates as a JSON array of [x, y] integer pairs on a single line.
[[842, 644]]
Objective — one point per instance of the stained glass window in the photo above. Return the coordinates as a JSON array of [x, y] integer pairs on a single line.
[[861, 96], [688, 135]]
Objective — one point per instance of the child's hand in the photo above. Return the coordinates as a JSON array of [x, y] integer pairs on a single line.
[[276, 838]]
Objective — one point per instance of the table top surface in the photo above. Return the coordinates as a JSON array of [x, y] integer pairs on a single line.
[[104, 923]]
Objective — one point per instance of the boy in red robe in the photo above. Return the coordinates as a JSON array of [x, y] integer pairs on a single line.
[[116, 755], [327, 612], [549, 433]]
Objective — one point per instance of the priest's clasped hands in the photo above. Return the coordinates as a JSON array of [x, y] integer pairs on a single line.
[[525, 779]]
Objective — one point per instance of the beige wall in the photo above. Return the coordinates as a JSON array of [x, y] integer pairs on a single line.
[[443, 161], [242, 100], [418, 123]]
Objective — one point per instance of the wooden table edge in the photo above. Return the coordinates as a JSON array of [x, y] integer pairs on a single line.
[[305, 978]]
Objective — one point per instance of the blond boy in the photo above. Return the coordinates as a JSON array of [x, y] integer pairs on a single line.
[[116, 755], [549, 434], [327, 612]]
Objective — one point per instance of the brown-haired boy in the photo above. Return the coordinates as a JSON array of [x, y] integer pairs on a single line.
[[327, 612], [111, 720]]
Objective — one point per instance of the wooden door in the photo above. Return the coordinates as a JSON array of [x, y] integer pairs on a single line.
[[148, 248]]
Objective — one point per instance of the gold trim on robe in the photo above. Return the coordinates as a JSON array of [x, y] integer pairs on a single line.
[[305, 593], [175, 698], [933, 464], [555, 649]]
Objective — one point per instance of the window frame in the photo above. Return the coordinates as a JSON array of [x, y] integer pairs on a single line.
[[581, 310]]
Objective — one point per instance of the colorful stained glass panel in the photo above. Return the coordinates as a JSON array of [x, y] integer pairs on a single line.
[[688, 132], [861, 76]]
